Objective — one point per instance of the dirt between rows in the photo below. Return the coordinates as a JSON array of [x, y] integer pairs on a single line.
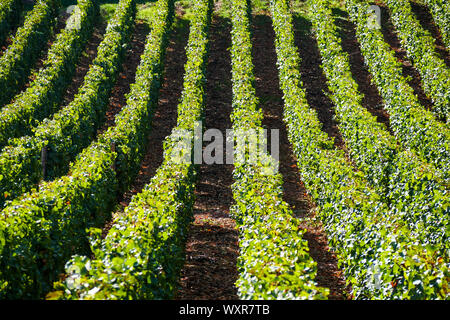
[[294, 192], [164, 118], [212, 246]]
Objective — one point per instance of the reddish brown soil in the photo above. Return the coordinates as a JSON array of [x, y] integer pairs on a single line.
[[9, 39], [411, 74], [6, 44], [314, 82], [61, 23], [42, 56], [372, 99], [426, 20], [83, 64], [165, 115], [127, 74], [295, 194], [212, 246]]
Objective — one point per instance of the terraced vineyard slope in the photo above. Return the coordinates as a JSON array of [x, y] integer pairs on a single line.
[[226, 149]]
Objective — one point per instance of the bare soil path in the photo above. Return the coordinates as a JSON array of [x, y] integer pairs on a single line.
[[295, 194], [127, 73], [42, 57], [372, 99], [409, 72], [314, 80], [212, 245], [90, 52], [164, 118]]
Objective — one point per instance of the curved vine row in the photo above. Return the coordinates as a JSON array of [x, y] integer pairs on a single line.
[[373, 247], [40, 230], [70, 129], [274, 262], [142, 254], [405, 182], [44, 94], [416, 128], [440, 10], [10, 11], [16, 62], [419, 46]]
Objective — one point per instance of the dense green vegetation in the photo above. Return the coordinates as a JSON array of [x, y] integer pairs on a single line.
[[373, 245], [142, 254], [440, 10], [379, 200], [419, 46], [27, 43], [404, 181], [44, 94], [274, 262], [40, 230], [9, 16], [73, 127], [416, 128]]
